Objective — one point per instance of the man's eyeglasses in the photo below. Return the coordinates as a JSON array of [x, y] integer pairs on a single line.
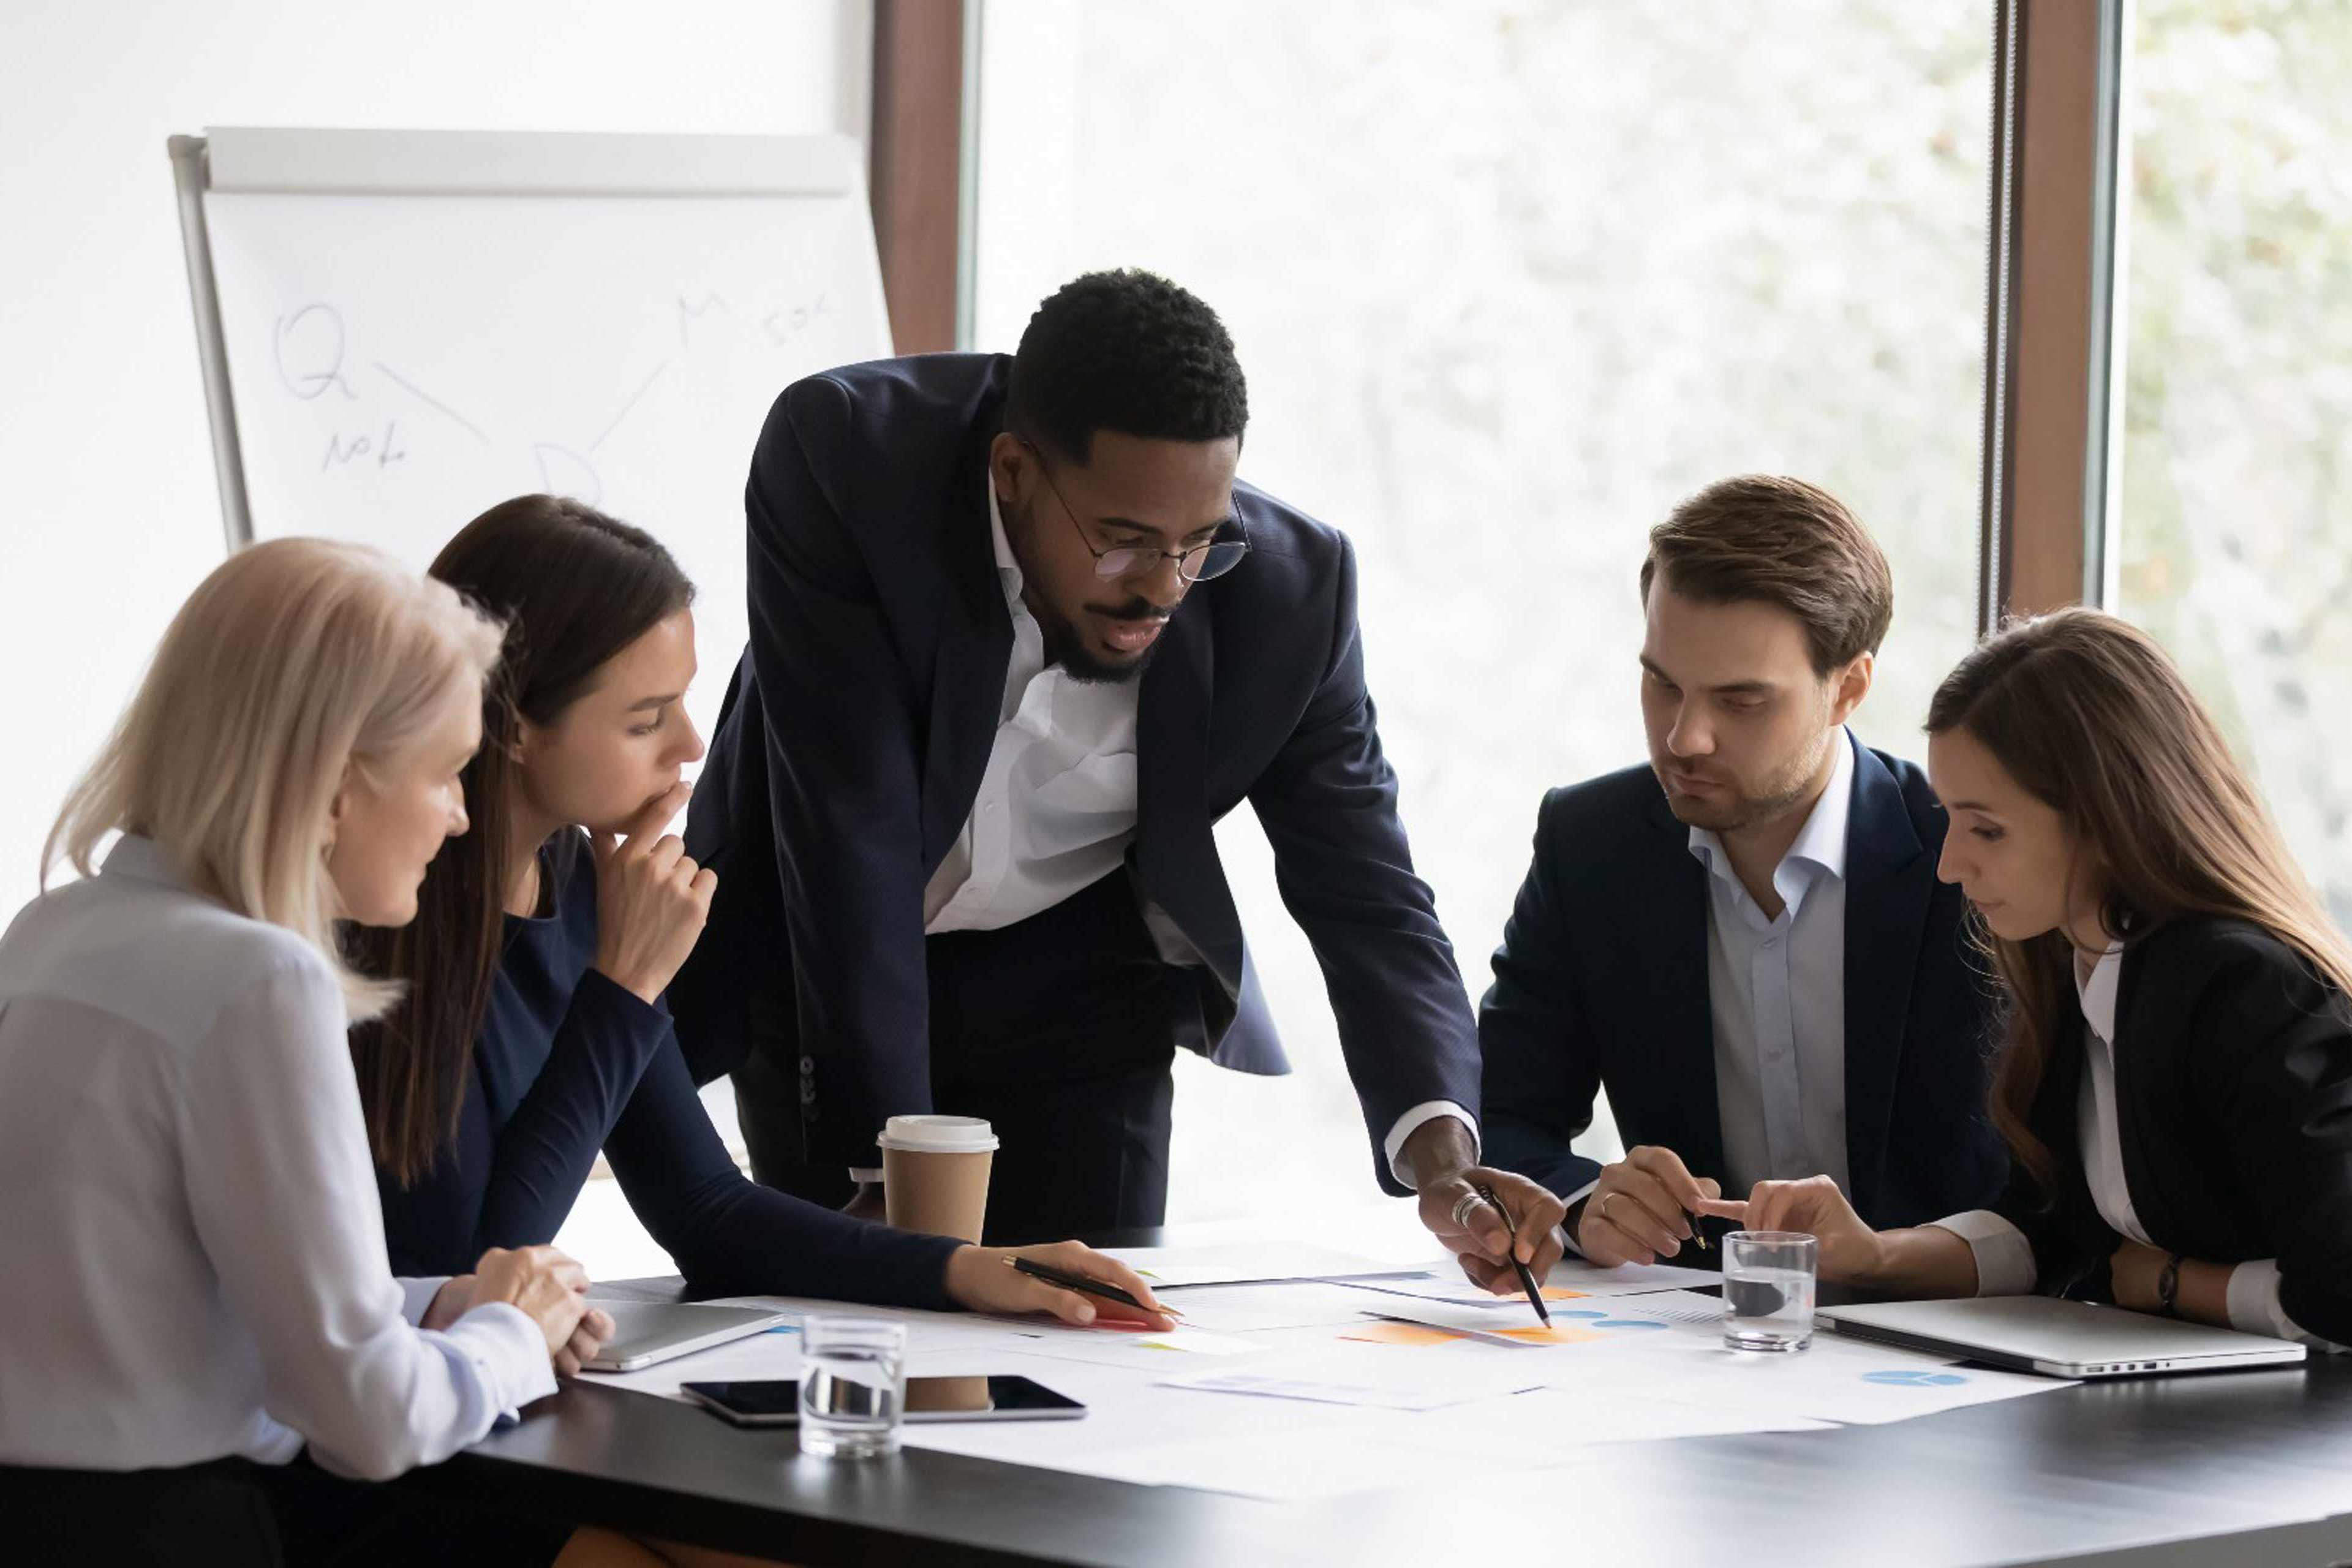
[[1195, 563]]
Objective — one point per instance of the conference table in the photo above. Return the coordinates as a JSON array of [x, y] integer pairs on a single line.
[[2250, 1468]]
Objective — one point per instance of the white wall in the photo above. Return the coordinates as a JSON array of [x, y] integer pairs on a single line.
[[108, 510]]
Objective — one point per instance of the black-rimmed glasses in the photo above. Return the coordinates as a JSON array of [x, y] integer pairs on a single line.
[[1196, 564]]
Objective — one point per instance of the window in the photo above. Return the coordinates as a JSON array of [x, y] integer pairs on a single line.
[[1508, 280], [2235, 545]]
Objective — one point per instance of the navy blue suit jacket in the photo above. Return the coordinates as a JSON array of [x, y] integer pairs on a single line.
[[1601, 983], [858, 725]]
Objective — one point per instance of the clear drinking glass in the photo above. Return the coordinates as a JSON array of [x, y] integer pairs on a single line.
[[1768, 1290], [853, 1386]]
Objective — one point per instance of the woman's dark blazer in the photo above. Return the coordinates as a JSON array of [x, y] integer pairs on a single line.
[[2234, 1110]]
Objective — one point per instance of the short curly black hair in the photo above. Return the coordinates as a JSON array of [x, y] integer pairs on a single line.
[[1125, 350]]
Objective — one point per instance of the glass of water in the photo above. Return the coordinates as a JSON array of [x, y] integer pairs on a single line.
[[1768, 1290], [853, 1386]]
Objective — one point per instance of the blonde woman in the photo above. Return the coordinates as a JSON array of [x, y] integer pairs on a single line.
[[2176, 1083], [196, 1288]]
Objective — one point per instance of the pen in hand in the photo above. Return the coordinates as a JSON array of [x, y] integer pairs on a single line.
[[1526, 1278], [1084, 1286]]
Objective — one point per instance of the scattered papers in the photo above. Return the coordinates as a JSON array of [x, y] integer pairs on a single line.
[[1255, 1309], [1629, 1278], [1175, 1268], [1127, 1347], [1196, 1342], [1838, 1380], [1369, 1379], [1317, 1392], [1299, 1374], [1659, 1316], [1283, 1467], [1389, 1331], [1571, 1279], [1566, 1421], [1125, 1413]]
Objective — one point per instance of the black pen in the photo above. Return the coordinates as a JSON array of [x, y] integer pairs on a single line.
[[1526, 1278], [1079, 1282]]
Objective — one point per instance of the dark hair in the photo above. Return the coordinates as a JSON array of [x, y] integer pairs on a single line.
[[2091, 719], [574, 587], [1781, 542], [1129, 352]]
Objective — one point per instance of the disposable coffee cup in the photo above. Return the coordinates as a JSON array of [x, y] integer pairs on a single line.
[[935, 1174]]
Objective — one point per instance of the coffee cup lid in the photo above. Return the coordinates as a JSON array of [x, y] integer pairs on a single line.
[[938, 1135]]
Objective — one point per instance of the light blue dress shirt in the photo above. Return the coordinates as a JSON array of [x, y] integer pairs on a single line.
[[1775, 989]]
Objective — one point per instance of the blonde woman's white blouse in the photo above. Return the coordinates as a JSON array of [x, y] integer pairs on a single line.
[[191, 1255]]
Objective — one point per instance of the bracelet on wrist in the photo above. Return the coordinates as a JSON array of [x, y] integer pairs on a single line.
[[2168, 1287]]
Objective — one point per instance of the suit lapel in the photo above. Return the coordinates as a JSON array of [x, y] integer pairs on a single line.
[[2135, 1116], [969, 661], [1886, 917], [1175, 848], [1669, 949]]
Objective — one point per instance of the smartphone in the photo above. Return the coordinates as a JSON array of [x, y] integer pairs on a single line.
[[777, 1402]]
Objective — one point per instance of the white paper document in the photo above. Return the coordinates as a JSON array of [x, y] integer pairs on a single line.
[[1381, 1377], [1282, 1468], [1144, 1351], [1280, 1304], [1675, 1320], [1232, 1263], [1125, 1412], [1565, 1421], [1569, 1278], [1837, 1380]]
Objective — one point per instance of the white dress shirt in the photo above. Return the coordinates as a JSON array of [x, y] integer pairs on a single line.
[[1056, 809], [2004, 1258], [195, 1257], [1776, 993]]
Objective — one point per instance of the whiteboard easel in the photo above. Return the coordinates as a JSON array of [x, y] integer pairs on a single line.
[[399, 329]]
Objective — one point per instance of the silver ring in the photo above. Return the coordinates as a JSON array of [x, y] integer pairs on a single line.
[[1465, 1202], [1602, 1208]]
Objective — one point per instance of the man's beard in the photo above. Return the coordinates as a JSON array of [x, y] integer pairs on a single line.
[[1742, 811], [1065, 647]]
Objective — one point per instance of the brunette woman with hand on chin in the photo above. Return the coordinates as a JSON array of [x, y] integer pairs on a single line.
[[2176, 1080], [197, 1300], [534, 1031]]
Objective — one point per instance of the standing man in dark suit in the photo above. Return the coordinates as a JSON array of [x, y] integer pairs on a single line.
[[1744, 942], [1018, 638]]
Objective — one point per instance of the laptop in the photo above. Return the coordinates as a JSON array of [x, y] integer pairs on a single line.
[[646, 1332], [2061, 1338]]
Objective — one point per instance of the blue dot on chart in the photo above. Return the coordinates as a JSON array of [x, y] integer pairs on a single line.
[[1916, 1379], [1628, 1324]]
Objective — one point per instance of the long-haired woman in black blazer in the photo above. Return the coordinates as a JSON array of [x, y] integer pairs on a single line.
[[2176, 1078]]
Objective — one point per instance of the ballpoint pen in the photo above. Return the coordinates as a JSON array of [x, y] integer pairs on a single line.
[[1082, 1284], [1526, 1279]]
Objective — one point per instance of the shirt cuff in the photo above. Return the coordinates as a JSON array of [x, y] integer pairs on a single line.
[[872, 1178], [508, 1350], [2004, 1258], [416, 1296], [1411, 1123], [2254, 1306], [1568, 1232]]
